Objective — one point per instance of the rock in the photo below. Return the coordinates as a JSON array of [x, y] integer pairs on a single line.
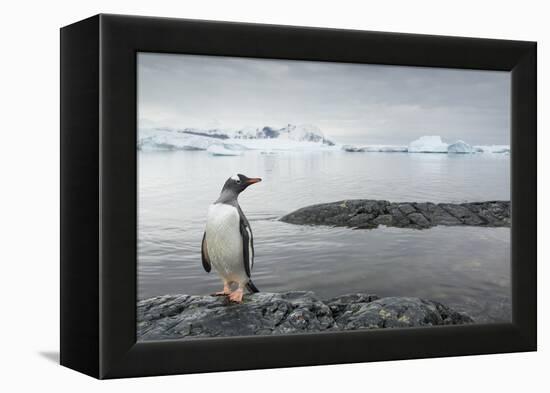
[[338, 304], [185, 316], [441, 216], [419, 220], [383, 219], [367, 214], [394, 312], [182, 316], [463, 214], [406, 208]]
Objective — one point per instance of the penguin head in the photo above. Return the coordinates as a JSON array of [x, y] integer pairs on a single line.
[[238, 183]]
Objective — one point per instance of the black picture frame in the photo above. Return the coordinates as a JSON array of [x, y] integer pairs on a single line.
[[98, 195]]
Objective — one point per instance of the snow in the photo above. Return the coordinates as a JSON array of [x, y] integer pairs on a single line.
[[280, 144], [495, 149], [428, 144], [301, 138], [376, 148], [460, 147], [291, 137], [306, 133], [290, 132], [165, 139], [223, 150]]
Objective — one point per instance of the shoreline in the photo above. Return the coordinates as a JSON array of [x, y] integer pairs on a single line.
[[263, 313]]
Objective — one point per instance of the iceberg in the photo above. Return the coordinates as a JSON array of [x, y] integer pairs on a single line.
[[307, 133], [213, 133], [353, 149], [281, 144], [297, 133], [495, 149], [428, 144], [223, 150], [460, 147], [290, 137], [169, 139], [164, 139], [375, 149], [386, 148]]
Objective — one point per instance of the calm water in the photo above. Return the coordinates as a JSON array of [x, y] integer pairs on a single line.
[[466, 268]]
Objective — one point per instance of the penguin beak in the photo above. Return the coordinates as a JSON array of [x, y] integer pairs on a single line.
[[253, 180]]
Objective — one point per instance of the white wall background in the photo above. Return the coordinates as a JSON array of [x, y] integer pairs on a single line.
[[29, 192]]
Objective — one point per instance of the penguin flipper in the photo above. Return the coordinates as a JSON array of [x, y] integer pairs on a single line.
[[248, 247], [204, 255], [251, 287]]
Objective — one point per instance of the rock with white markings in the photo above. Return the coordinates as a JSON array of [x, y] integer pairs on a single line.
[[367, 214], [185, 316]]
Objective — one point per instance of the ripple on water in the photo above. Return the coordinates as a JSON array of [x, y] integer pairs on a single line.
[[467, 268]]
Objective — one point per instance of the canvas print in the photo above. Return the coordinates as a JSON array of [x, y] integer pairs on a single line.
[[295, 197]]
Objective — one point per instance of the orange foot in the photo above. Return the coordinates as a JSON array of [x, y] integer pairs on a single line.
[[226, 291], [237, 296]]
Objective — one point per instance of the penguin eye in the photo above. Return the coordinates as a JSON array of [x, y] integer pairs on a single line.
[[238, 181]]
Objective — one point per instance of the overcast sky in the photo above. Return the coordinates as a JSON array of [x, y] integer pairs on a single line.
[[349, 102]]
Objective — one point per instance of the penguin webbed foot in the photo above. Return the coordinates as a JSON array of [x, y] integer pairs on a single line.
[[225, 292], [237, 296]]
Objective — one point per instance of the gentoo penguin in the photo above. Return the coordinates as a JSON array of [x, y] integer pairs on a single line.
[[227, 243]]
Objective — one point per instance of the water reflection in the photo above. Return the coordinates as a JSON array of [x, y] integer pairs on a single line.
[[467, 268]]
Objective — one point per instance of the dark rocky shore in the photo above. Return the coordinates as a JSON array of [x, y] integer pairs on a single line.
[[367, 214], [184, 316]]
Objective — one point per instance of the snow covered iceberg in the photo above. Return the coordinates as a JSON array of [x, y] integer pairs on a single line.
[[297, 133], [460, 147], [375, 149], [428, 144], [290, 137], [496, 149], [223, 150], [168, 139]]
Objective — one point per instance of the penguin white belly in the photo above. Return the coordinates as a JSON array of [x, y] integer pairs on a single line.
[[224, 242]]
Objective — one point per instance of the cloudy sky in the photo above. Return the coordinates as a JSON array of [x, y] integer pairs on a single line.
[[349, 102]]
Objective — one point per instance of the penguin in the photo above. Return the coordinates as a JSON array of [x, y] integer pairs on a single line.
[[227, 243]]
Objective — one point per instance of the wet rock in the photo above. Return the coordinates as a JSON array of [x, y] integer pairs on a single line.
[[180, 316], [384, 219], [366, 214], [406, 208], [399, 219], [441, 217], [419, 220], [394, 312], [184, 316], [463, 214], [338, 304]]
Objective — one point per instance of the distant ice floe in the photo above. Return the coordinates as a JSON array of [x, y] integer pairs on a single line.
[[291, 132], [300, 138], [429, 144], [223, 150], [165, 139], [461, 147], [375, 148], [228, 142], [497, 149]]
